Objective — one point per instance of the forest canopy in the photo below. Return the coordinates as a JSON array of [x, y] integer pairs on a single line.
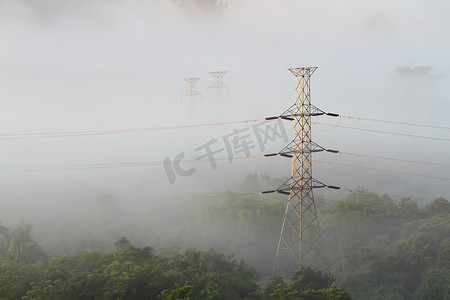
[[371, 247]]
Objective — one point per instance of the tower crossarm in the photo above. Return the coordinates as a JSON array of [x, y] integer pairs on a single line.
[[291, 113], [290, 150], [288, 187]]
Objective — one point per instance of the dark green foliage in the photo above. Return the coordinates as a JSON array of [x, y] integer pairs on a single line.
[[21, 246], [22, 261], [284, 293], [272, 285], [306, 284], [435, 284], [331, 293], [375, 247], [131, 273], [122, 245], [308, 278], [439, 206], [4, 241], [212, 275], [136, 273], [16, 278], [381, 249], [178, 293]]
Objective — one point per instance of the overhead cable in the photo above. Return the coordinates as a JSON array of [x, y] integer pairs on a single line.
[[383, 170], [384, 132], [396, 159], [141, 65], [382, 66], [182, 66], [45, 135], [61, 134], [395, 122], [159, 163]]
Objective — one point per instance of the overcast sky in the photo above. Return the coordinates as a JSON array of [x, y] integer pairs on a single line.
[[103, 65]]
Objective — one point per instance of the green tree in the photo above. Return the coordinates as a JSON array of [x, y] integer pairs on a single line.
[[272, 285], [308, 278], [331, 293], [435, 284], [16, 278], [122, 245], [439, 206], [22, 247], [284, 293], [178, 293], [4, 241], [309, 284]]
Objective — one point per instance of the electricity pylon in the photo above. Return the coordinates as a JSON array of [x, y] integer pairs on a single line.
[[217, 84], [300, 229], [192, 92]]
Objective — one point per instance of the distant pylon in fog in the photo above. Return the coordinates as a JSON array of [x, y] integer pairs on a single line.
[[217, 86], [192, 92]]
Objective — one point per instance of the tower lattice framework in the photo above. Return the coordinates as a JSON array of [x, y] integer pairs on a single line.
[[192, 92], [217, 85], [300, 230]]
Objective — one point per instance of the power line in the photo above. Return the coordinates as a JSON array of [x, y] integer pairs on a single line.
[[382, 66], [395, 159], [160, 163], [390, 195], [334, 200], [44, 135], [395, 122], [181, 66], [383, 170], [383, 208], [40, 135], [116, 165], [253, 193], [142, 65], [368, 156], [384, 132]]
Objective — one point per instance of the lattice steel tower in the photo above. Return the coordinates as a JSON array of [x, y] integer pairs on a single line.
[[192, 92], [300, 229], [217, 84]]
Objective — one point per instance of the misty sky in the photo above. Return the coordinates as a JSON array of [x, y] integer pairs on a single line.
[[120, 64]]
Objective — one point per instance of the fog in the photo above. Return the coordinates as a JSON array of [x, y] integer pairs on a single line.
[[106, 65]]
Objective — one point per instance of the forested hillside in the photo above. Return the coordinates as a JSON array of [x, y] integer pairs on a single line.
[[381, 249], [371, 246], [137, 273]]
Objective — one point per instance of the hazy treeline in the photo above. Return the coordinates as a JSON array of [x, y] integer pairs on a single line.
[[137, 273], [381, 249], [372, 246], [128, 273]]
